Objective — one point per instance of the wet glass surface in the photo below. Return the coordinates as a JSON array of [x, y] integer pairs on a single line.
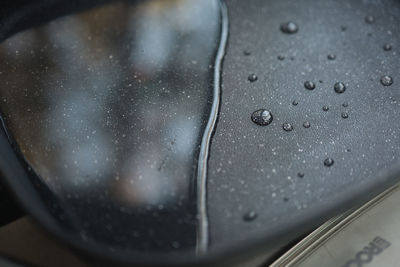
[[109, 106]]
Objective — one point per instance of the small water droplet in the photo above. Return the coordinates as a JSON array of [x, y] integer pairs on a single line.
[[176, 244], [252, 77], [325, 108], [300, 175], [289, 27], [339, 87], [328, 162], [306, 124], [295, 103], [387, 47], [246, 52], [287, 127], [386, 80], [281, 57], [345, 115], [250, 216], [369, 19], [261, 117], [343, 28], [285, 199], [309, 85], [345, 104], [331, 57]]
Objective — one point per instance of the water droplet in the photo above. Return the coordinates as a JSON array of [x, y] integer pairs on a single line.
[[285, 199], [325, 108], [306, 124], [345, 104], [262, 117], [281, 57], [369, 19], [250, 216], [343, 28], [339, 87], [345, 115], [309, 85], [295, 103], [331, 57], [300, 175], [287, 127], [252, 77], [246, 52], [176, 244], [386, 80], [387, 47], [328, 162], [289, 27]]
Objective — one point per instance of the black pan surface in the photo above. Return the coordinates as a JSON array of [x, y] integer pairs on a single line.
[[280, 174], [326, 149]]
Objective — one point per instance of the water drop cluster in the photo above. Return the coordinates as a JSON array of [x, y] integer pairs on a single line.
[[264, 117]]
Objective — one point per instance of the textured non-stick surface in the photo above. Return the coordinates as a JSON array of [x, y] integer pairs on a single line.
[[254, 168]]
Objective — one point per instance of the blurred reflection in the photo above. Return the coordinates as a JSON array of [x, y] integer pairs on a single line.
[[108, 106]]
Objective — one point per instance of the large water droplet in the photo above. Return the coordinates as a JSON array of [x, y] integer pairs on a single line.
[[387, 47], [325, 108], [345, 115], [328, 162], [250, 216], [252, 77], [309, 85], [262, 117], [287, 127], [339, 87], [369, 19], [289, 27], [386, 80]]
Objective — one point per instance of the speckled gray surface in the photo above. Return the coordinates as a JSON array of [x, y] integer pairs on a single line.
[[255, 168], [108, 106], [254, 190]]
